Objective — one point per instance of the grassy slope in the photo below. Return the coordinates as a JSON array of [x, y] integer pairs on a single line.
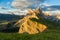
[[52, 33]]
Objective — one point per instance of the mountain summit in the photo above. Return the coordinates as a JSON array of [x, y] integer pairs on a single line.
[[28, 26]]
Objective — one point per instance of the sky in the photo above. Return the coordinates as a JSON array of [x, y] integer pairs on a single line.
[[9, 6], [5, 3], [53, 2], [8, 3]]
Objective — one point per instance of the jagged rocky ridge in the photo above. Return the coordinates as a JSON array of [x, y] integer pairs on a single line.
[[28, 26]]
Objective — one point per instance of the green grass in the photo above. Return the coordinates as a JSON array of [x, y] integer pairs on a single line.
[[52, 32], [49, 35]]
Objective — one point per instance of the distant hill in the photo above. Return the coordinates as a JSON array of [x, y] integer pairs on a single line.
[[9, 17]]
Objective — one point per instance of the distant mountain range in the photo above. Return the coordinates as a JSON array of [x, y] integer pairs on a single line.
[[51, 8], [9, 17], [47, 8]]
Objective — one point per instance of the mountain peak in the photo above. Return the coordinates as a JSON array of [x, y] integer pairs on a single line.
[[28, 26]]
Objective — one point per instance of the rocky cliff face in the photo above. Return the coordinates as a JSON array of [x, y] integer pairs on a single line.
[[58, 17], [28, 26]]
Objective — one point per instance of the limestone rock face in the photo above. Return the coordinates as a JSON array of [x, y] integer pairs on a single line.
[[28, 26], [58, 17], [31, 27]]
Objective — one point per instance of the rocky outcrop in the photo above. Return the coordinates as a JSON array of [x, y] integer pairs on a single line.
[[28, 26], [58, 17]]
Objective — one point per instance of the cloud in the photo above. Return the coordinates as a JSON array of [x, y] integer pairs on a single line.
[[54, 12], [25, 3], [46, 4], [17, 12], [0, 7], [21, 3], [8, 3], [13, 11]]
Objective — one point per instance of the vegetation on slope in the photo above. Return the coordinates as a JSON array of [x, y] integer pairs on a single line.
[[52, 32]]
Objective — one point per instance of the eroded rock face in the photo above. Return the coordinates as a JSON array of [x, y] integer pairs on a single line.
[[28, 26], [58, 17], [31, 27]]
